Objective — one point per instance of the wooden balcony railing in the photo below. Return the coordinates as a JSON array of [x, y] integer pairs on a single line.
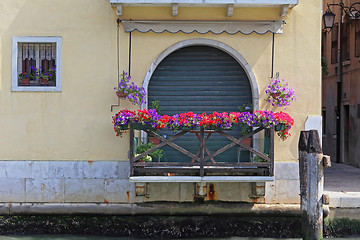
[[203, 162]]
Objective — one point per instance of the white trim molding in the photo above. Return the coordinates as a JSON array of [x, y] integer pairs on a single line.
[[228, 4], [209, 3], [15, 43]]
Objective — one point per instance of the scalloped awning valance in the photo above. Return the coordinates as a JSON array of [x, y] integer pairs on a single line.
[[203, 27]]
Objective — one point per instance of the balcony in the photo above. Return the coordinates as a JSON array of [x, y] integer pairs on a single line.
[[205, 164]]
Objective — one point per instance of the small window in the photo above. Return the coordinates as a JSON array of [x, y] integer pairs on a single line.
[[357, 39], [334, 44], [323, 44], [36, 64], [345, 41]]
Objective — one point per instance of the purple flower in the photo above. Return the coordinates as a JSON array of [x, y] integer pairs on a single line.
[[136, 95], [279, 93]]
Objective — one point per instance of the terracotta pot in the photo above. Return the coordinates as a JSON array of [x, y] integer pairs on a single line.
[[121, 94], [247, 141], [44, 81], [154, 140], [275, 95], [26, 81]]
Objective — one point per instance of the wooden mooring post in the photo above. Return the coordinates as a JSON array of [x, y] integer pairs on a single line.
[[311, 172]]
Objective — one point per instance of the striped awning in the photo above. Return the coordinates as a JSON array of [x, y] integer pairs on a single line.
[[203, 27]]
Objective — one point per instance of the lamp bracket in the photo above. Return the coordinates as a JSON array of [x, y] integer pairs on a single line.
[[351, 10]]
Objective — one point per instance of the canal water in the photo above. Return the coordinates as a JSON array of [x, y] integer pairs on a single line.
[[77, 237], [72, 237]]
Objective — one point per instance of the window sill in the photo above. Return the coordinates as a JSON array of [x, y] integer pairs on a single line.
[[36, 89], [202, 179]]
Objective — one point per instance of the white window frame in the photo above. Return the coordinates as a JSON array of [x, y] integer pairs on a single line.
[[15, 43]]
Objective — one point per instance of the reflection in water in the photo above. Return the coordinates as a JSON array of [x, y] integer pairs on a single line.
[[78, 237]]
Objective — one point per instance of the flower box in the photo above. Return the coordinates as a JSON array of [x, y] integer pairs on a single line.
[[124, 126], [150, 120], [141, 126], [186, 128], [212, 127], [280, 127]]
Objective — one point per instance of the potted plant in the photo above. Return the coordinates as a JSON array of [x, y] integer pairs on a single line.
[[156, 106], [49, 77], [245, 128], [184, 121], [149, 119], [279, 93], [157, 154], [130, 90], [121, 121], [44, 78], [25, 78], [258, 159], [146, 119], [286, 123]]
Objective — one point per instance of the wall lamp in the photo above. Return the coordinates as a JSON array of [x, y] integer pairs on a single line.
[[329, 16]]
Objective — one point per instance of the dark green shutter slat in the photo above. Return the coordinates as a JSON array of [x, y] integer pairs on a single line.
[[200, 79]]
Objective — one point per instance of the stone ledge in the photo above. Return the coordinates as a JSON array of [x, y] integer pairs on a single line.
[[152, 208]]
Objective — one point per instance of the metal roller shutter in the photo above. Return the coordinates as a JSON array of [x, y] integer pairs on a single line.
[[200, 79]]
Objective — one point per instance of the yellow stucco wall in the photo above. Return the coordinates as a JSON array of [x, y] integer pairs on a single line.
[[75, 124]]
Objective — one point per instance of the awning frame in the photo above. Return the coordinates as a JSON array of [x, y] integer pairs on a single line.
[[204, 27]]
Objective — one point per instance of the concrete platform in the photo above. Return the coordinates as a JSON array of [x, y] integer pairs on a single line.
[[342, 184]]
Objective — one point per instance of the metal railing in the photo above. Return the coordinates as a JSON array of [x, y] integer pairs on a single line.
[[201, 165]]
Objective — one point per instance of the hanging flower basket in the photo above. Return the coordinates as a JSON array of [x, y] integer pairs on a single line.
[[275, 95], [279, 94], [135, 94]]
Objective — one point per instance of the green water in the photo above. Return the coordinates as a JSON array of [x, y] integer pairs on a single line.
[[72, 237]]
